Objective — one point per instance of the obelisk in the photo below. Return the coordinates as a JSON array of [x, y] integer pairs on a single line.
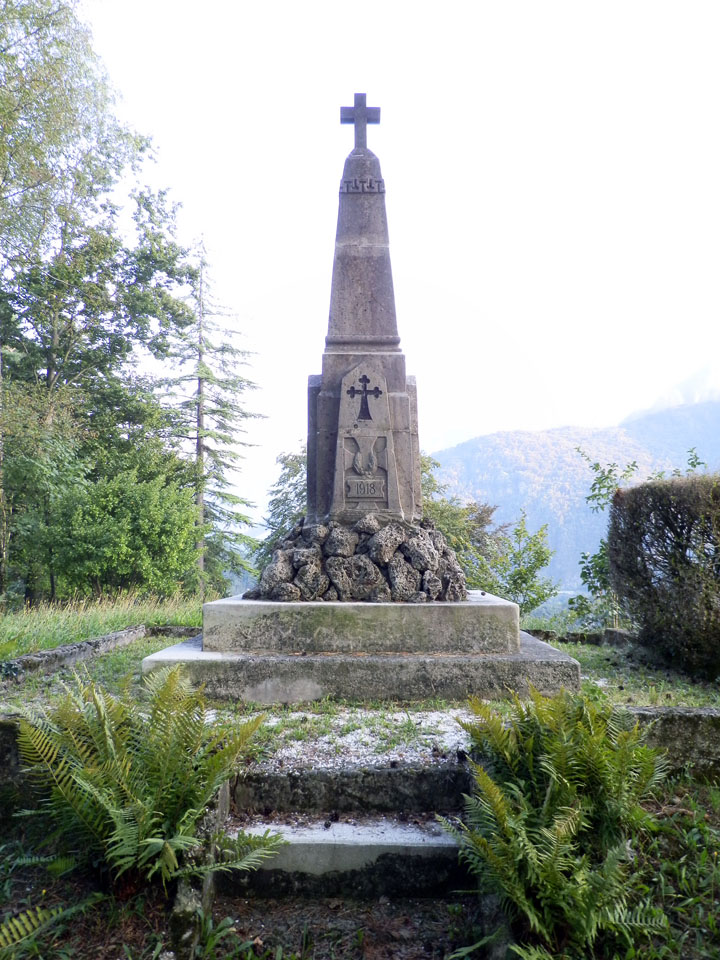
[[363, 450]]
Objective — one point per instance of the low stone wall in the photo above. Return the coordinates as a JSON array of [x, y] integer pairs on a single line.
[[691, 735], [46, 660], [63, 656]]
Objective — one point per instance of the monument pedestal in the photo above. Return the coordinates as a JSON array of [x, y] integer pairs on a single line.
[[263, 652]]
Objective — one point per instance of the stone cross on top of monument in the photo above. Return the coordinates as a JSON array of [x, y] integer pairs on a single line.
[[361, 115], [362, 457]]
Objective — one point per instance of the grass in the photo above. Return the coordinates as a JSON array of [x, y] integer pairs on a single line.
[[625, 677], [46, 626]]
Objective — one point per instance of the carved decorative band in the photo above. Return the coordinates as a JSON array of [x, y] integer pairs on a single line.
[[362, 185], [369, 340]]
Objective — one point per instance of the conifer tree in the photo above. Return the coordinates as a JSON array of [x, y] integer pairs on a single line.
[[208, 394]]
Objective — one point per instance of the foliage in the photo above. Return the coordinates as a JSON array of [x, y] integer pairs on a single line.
[[123, 533], [664, 550], [207, 393], [465, 526], [286, 507], [677, 866], [511, 568], [126, 783], [548, 827], [600, 607], [59, 143], [506, 560], [24, 926]]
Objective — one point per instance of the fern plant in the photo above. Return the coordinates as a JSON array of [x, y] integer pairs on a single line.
[[125, 783], [21, 928], [549, 826]]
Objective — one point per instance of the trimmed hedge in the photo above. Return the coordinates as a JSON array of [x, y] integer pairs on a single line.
[[664, 552]]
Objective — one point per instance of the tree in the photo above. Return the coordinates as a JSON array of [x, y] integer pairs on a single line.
[[506, 560], [208, 392], [59, 140], [465, 526], [42, 466], [511, 567], [70, 324], [286, 507]]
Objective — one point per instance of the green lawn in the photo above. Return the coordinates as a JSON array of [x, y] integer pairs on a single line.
[[46, 626]]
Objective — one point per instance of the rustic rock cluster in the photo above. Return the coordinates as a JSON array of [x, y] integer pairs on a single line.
[[369, 561]]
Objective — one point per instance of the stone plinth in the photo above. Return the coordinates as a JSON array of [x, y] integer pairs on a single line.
[[483, 624], [268, 679], [267, 652]]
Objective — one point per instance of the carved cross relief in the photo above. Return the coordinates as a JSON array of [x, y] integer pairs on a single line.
[[363, 394]]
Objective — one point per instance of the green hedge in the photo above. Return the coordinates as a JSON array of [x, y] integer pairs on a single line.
[[664, 552]]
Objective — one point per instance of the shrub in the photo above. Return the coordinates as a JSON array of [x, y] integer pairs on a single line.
[[664, 550], [548, 827], [125, 783]]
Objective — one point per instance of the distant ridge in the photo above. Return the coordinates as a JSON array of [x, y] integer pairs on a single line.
[[542, 473]]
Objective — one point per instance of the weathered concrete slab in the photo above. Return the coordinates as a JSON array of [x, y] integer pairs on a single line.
[[297, 679], [370, 857], [691, 736], [483, 624], [412, 788]]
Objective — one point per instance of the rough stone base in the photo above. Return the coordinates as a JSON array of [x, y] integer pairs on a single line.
[[298, 679]]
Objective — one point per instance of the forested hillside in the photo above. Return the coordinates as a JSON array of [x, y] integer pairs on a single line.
[[542, 473]]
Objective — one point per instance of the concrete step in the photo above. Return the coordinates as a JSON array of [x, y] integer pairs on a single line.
[[296, 679], [354, 856], [393, 787]]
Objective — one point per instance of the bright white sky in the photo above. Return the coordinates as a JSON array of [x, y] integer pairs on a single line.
[[553, 192]]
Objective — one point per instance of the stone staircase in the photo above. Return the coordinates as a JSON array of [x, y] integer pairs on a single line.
[[358, 831]]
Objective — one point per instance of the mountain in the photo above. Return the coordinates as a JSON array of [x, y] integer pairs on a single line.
[[542, 472]]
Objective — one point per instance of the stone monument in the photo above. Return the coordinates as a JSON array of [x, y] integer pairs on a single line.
[[363, 599], [362, 538], [363, 451]]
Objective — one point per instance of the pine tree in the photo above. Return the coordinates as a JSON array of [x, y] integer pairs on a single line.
[[208, 393]]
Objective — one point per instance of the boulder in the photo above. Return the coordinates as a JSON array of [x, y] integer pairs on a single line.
[[404, 578], [341, 542], [301, 556], [385, 542], [311, 581], [279, 570], [285, 593], [432, 585], [367, 524], [421, 553], [315, 532]]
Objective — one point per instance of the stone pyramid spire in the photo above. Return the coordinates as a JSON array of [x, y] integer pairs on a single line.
[[362, 301], [363, 452]]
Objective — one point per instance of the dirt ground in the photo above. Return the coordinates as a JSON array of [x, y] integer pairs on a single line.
[[334, 928]]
